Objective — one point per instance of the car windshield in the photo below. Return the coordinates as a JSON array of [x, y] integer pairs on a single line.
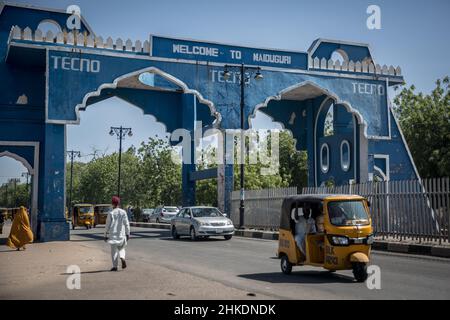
[[147, 211], [170, 209], [206, 212], [344, 213], [104, 209], [85, 209]]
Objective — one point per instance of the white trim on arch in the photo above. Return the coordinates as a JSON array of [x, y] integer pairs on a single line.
[[34, 172], [113, 85]]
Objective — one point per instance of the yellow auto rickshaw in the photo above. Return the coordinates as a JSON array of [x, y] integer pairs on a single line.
[[83, 216], [329, 231], [101, 213]]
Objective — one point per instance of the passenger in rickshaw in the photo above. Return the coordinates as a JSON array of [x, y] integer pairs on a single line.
[[304, 225]]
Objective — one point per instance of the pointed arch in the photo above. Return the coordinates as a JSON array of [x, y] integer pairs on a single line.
[[113, 85]]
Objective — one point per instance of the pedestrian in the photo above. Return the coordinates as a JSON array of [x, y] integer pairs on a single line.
[[2, 220], [117, 233], [21, 233]]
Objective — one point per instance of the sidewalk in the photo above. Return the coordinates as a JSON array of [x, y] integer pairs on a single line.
[[40, 273], [390, 245]]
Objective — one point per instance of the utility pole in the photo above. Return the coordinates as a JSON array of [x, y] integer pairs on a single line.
[[14, 181], [120, 132], [27, 175], [72, 154], [258, 76]]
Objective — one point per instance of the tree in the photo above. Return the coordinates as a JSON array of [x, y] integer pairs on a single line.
[[425, 122]]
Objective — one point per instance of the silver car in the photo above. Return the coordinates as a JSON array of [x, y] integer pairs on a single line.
[[164, 214], [197, 222]]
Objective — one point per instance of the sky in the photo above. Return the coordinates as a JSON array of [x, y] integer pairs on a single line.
[[414, 35]]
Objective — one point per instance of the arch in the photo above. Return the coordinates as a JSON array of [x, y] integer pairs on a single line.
[[23, 161], [50, 23], [326, 92], [328, 128], [339, 55], [170, 78]]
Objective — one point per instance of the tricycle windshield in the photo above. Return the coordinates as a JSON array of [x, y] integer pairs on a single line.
[[104, 209], [347, 213], [85, 209]]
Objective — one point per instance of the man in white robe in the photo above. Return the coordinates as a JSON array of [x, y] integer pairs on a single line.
[[117, 233]]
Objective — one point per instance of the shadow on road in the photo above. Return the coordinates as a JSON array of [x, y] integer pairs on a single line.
[[85, 272], [311, 277]]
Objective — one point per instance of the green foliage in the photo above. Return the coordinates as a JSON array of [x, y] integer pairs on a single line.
[[14, 195], [425, 122], [150, 177]]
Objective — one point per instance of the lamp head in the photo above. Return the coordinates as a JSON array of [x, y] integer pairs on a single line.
[[258, 75], [226, 74]]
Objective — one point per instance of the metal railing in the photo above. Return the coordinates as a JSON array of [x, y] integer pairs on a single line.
[[407, 209], [262, 207], [416, 210]]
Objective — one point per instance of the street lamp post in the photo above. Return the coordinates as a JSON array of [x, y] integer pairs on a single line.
[[120, 132], [72, 154], [258, 76]]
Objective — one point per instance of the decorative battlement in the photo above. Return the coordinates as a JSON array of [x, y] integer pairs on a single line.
[[351, 66], [88, 41], [80, 40]]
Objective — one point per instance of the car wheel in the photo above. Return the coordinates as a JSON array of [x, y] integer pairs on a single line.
[[193, 234], [175, 234], [286, 266], [228, 237]]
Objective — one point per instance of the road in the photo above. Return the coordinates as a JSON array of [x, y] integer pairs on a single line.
[[251, 265]]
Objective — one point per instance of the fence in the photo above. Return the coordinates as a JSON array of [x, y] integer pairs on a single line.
[[412, 209], [262, 207]]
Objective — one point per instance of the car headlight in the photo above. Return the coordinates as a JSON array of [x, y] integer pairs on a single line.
[[203, 224], [229, 223], [339, 240], [370, 239]]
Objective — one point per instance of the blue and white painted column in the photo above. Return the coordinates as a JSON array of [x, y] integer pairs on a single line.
[[52, 222]]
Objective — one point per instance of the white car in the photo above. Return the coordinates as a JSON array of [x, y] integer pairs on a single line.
[[164, 214]]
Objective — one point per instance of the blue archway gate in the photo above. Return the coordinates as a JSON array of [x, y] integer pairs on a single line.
[[50, 78]]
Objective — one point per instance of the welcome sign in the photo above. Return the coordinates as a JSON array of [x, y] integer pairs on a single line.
[[165, 47]]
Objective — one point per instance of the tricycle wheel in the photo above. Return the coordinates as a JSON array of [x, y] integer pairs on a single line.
[[286, 266], [360, 271]]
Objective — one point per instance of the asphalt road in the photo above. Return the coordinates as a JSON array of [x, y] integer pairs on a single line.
[[251, 265]]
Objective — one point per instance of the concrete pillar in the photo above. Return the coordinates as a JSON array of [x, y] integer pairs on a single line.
[[363, 155], [52, 221], [189, 105], [310, 142]]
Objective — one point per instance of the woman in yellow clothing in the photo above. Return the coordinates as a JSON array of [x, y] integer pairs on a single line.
[[21, 233]]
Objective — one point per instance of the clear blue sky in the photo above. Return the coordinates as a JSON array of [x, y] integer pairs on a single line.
[[414, 35]]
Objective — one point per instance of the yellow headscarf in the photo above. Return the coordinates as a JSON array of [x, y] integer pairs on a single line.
[[21, 233]]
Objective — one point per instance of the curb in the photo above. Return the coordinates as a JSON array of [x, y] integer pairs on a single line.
[[378, 245]]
